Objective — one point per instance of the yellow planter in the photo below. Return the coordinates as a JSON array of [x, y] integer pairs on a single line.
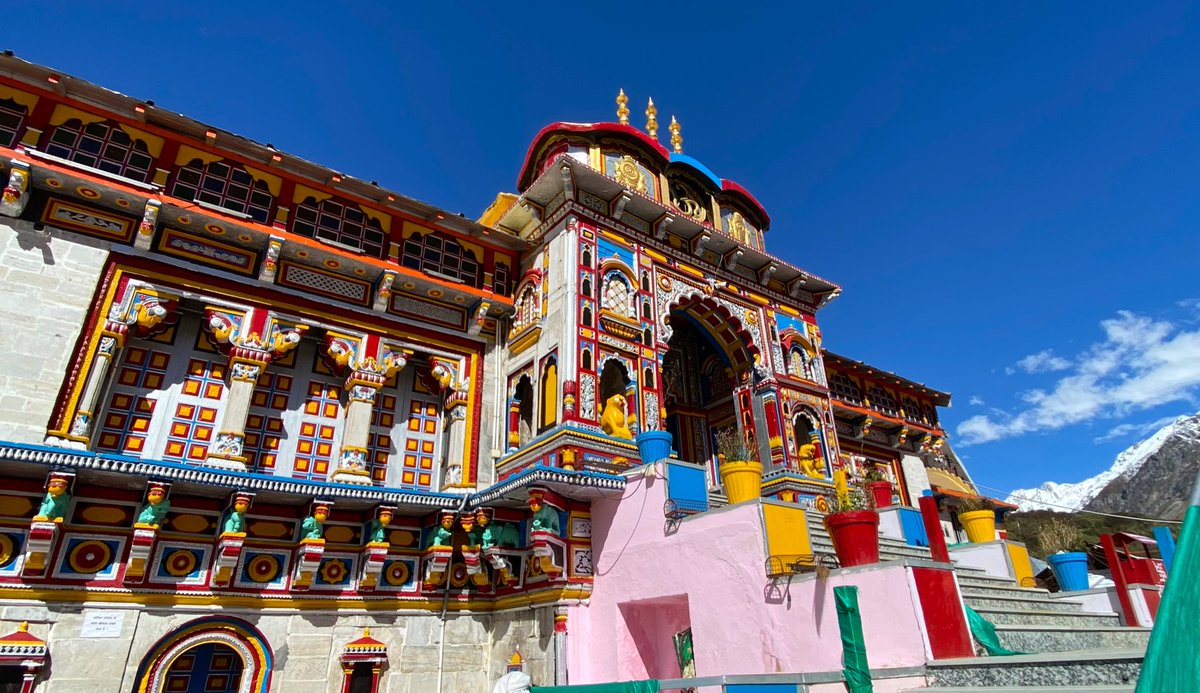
[[742, 480], [980, 525]]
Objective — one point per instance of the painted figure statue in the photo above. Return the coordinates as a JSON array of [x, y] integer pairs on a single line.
[[807, 458], [545, 518], [378, 529], [235, 522], [156, 507], [474, 532], [615, 420], [444, 531], [54, 505], [312, 527]]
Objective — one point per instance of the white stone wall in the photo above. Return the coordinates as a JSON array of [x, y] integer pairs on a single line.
[[46, 286], [306, 647]]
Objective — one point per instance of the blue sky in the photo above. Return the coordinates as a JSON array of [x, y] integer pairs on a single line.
[[1007, 193]]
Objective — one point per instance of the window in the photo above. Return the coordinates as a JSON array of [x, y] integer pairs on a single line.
[[618, 295], [845, 389], [526, 308], [341, 223], [500, 279], [549, 403], [882, 400], [224, 185], [443, 256], [12, 116], [103, 146]]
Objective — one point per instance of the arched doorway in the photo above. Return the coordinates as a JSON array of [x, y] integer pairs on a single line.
[[704, 365], [208, 655]]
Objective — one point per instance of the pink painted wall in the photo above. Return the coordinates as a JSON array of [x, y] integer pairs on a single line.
[[709, 574]]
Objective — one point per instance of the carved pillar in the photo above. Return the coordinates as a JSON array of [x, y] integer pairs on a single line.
[[142, 311], [560, 646], [570, 394], [368, 361], [455, 395], [514, 424], [240, 335]]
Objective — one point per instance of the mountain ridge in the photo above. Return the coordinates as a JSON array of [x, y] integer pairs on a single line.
[[1155, 473]]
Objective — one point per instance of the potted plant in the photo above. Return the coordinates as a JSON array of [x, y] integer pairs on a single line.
[[978, 517], [879, 486], [741, 472], [1061, 541], [853, 526]]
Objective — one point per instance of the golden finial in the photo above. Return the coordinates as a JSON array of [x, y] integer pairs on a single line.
[[676, 138], [622, 109], [366, 632], [24, 627], [651, 119]]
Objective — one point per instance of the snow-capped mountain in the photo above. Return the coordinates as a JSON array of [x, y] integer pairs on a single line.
[[1153, 476]]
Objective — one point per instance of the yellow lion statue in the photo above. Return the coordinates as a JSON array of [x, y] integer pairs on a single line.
[[614, 421], [808, 461]]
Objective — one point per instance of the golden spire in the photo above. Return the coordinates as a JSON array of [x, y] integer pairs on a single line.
[[366, 632], [622, 109], [676, 138], [651, 119]]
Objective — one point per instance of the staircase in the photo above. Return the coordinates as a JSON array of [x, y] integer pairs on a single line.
[[1073, 650]]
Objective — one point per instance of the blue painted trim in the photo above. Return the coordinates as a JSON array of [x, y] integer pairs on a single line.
[[700, 168], [913, 527], [1166, 546]]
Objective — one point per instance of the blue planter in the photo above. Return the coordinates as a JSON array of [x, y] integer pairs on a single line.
[[1070, 569], [654, 446]]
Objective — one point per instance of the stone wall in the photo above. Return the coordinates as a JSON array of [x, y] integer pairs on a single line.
[[306, 647], [47, 283]]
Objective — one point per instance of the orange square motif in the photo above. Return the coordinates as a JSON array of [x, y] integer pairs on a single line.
[[185, 411], [410, 444], [203, 433], [275, 425], [174, 448], [140, 424], [308, 429], [213, 391], [258, 399], [427, 447], [301, 465], [279, 402], [135, 356], [431, 426], [109, 440], [327, 432], [426, 463], [331, 410], [324, 449], [145, 404], [254, 421], [283, 382], [115, 421], [414, 424], [197, 367], [159, 360], [179, 429], [408, 477], [128, 377], [121, 401], [135, 444], [153, 381], [322, 466], [304, 447], [197, 452], [425, 478], [208, 415], [191, 387]]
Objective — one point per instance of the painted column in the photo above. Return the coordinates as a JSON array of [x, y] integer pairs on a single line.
[[238, 333], [362, 390], [514, 424], [368, 360], [560, 646], [456, 445], [141, 311]]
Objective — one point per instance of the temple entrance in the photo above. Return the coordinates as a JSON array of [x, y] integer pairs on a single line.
[[207, 668], [699, 377]]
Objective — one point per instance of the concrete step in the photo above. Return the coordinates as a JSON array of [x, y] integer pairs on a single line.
[[885, 552], [972, 578], [991, 598], [1051, 638], [1087, 670], [1045, 617]]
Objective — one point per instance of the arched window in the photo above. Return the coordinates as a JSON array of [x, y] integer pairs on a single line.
[[646, 310], [586, 287], [587, 256], [211, 667], [103, 146], [585, 360], [882, 400], [587, 315], [526, 308], [224, 185], [523, 394], [341, 223], [614, 380], [215, 654], [845, 389], [549, 404], [12, 116], [441, 256], [618, 294]]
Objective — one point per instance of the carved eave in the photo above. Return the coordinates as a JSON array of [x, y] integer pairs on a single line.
[[568, 180], [128, 198]]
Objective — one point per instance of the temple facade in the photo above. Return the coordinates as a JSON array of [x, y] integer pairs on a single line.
[[264, 425]]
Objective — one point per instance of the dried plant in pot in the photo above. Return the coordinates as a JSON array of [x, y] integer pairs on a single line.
[[1062, 540], [741, 472], [977, 515], [853, 526]]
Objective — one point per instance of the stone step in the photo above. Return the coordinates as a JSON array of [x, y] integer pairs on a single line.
[[1045, 617], [885, 552], [1050, 638], [971, 578], [991, 598], [1085, 669]]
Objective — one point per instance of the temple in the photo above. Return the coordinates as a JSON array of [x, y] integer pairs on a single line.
[[265, 425]]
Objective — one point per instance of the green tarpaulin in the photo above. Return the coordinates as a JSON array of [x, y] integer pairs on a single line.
[[854, 649], [985, 633], [1171, 663], [623, 687]]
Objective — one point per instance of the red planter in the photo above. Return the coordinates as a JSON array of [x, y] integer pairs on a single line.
[[882, 492], [855, 536]]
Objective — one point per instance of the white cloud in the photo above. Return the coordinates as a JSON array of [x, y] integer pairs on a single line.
[[1140, 363], [1132, 429], [1045, 361], [976, 400]]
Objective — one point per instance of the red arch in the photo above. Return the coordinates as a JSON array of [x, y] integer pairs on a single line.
[[725, 328]]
